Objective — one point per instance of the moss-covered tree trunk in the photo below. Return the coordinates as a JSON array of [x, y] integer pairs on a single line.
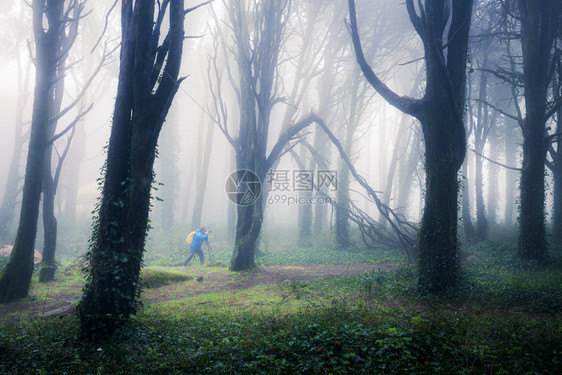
[[440, 112], [146, 88], [438, 239]]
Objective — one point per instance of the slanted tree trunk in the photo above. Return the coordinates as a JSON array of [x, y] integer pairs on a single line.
[[77, 153], [539, 23], [440, 112], [15, 279], [148, 81]]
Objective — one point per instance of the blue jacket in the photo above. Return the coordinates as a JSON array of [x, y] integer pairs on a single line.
[[198, 239]]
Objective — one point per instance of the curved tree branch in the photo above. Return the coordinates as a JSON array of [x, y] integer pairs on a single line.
[[403, 103]]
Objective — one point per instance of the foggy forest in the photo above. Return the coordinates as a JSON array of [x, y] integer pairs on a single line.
[[281, 186]]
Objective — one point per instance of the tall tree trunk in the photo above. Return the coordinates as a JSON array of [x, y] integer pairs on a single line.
[[407, 173], [556, 153], [440, 112], [168, 148], [48, 264], [493, 176], [257, 63], [445, 146], [466, 216], [305, 208], [481, 127], [12, 188], [510, 176], [481, 219], [77, 153], [356, 108], [15, 279], [202, 174], [146, 88], [539, 23]]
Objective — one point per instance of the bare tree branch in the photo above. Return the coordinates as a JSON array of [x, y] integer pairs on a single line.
[[70, 126], [84, 88], [495, 162], [498, 109], [405, 104]]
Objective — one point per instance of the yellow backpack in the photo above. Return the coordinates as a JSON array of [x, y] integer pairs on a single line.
[[189, 238]]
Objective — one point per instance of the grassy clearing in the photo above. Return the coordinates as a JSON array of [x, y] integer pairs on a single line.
[[505, 320]]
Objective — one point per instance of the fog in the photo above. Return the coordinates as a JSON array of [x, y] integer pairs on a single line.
[[385, 145]]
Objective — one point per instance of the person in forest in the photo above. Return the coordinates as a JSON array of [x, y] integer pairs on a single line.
[[200, 235]]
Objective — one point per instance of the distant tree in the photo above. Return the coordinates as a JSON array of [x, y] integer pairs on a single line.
[[167, 169], [443, 27], [51, 170], [148, 81], [258, 31], [12, 188]]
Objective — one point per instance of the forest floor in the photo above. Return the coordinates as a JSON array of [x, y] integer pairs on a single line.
[[59, 297]]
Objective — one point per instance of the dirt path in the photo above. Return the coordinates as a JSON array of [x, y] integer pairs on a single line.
[[206, 280]]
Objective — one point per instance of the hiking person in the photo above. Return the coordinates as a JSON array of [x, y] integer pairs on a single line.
[[197, 240]]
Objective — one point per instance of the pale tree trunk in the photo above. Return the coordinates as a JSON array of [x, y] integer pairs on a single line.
[[511, 127], [466, 216], [493, 180], [407, 172], [12, 188], [202, 174], [77, 153], [168, 171]]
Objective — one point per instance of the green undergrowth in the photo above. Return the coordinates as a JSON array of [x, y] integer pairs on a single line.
[[154, 278], [505, 319], [219, 254], [335, 338]]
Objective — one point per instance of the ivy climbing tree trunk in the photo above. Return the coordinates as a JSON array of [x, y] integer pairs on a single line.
[[148, 81], [440, 113]]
